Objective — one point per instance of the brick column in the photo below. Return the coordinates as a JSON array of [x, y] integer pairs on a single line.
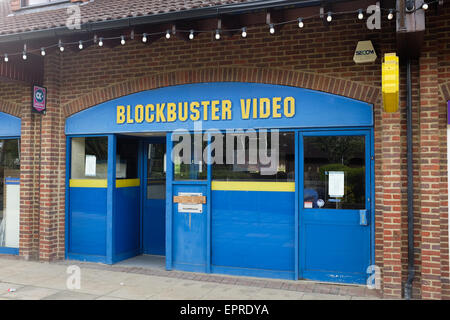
[[52, 171], [430, 172], [29, 178], [391, 204]]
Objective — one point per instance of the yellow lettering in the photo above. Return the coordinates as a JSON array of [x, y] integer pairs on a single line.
[[149, 117], [195, 114], [276, 106], [226, 110], [245, 108], [214, 110], [289, 107], [129, 120], [255, 108], [120, 114], [182, 111], [139, 113], [264, 108], [160, 112], [171, 112], [205, 105]]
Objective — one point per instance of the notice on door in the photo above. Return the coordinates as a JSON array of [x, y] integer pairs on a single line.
[[190, 207], [336, 184]]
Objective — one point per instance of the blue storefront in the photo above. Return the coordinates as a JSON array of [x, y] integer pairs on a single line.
[[9, 183], [234, 178]]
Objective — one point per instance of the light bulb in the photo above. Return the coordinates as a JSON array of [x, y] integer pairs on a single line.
[[425, 6], [168, 34], [391, 14], [24, 55], [100, 42], [6, 59], [300, 23], [217, 34], [271, 29], [144, 38], [329, 17], [244, 32], [360, 14], [122, 40], [80, 45], [42, 52], [191, 35]]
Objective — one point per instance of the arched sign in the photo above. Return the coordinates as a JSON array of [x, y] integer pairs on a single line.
[[222, 105]]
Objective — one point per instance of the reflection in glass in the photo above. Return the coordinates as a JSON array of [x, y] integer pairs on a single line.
[[127, 158], [89, 158], [334, 172], [185, 163], [9, 192], [156, 171]]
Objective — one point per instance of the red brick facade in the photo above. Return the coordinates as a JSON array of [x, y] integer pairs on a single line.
[[317, 57]]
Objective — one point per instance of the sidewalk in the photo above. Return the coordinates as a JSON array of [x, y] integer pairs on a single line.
[[38, 280]]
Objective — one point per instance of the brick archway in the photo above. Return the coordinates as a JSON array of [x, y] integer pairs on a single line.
[[11, 108], [313, 81]]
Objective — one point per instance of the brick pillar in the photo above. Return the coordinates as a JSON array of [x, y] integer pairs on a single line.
[[392, 206], [29, 186], [52, 176], [430, 174]]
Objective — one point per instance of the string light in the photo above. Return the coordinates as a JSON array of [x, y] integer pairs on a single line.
[[360, 14], [244, 32], [271, 28], [329, 17], [391, 14], [299, 21]]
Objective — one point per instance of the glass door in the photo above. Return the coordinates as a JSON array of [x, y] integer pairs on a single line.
[[335, 184]]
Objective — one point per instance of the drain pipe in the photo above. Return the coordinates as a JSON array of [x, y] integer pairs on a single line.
[[408, 285]]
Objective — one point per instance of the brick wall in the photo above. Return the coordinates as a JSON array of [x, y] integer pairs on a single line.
[[317, 57]]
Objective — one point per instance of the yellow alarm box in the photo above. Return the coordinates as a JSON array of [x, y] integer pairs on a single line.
[[390, 82]]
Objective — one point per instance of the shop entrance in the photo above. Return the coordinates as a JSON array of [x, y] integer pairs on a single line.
[[335, 180], [154, 197]]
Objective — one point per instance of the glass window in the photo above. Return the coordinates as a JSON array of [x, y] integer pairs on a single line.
[[127, 158], [89, 158], [156, 171], [26, 3], [9, 192], [187, 158], [263, 156], [334, 172]]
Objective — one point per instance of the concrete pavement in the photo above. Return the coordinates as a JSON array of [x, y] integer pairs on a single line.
[[32, 280]]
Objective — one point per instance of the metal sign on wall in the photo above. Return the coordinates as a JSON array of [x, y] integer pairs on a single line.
[[39, 99]]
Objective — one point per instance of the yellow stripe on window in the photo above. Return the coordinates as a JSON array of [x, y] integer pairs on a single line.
[[126, 183], [253, 186], [88, 183]]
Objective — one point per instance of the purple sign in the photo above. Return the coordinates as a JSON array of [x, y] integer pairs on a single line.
[[39, 99]]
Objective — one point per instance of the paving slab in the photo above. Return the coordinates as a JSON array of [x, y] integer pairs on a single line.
[[70, 295], [30, 293]]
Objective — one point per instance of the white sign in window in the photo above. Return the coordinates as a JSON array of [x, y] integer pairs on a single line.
[[90, 169], [336, 184]]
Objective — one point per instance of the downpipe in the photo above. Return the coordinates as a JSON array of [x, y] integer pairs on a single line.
[[409, 281]]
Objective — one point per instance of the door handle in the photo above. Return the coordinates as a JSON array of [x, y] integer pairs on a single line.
[[364, 217]]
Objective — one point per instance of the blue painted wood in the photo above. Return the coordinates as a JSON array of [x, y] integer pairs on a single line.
[[10, 126], [288, 275], [7, 250], [253, 230], [189, 233], [67, 197], [87, 221], [126, 222], [333, 245], [111, 194], [334, 111], [169, 206]]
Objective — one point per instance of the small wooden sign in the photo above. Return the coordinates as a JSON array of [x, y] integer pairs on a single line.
[[190, 199]]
